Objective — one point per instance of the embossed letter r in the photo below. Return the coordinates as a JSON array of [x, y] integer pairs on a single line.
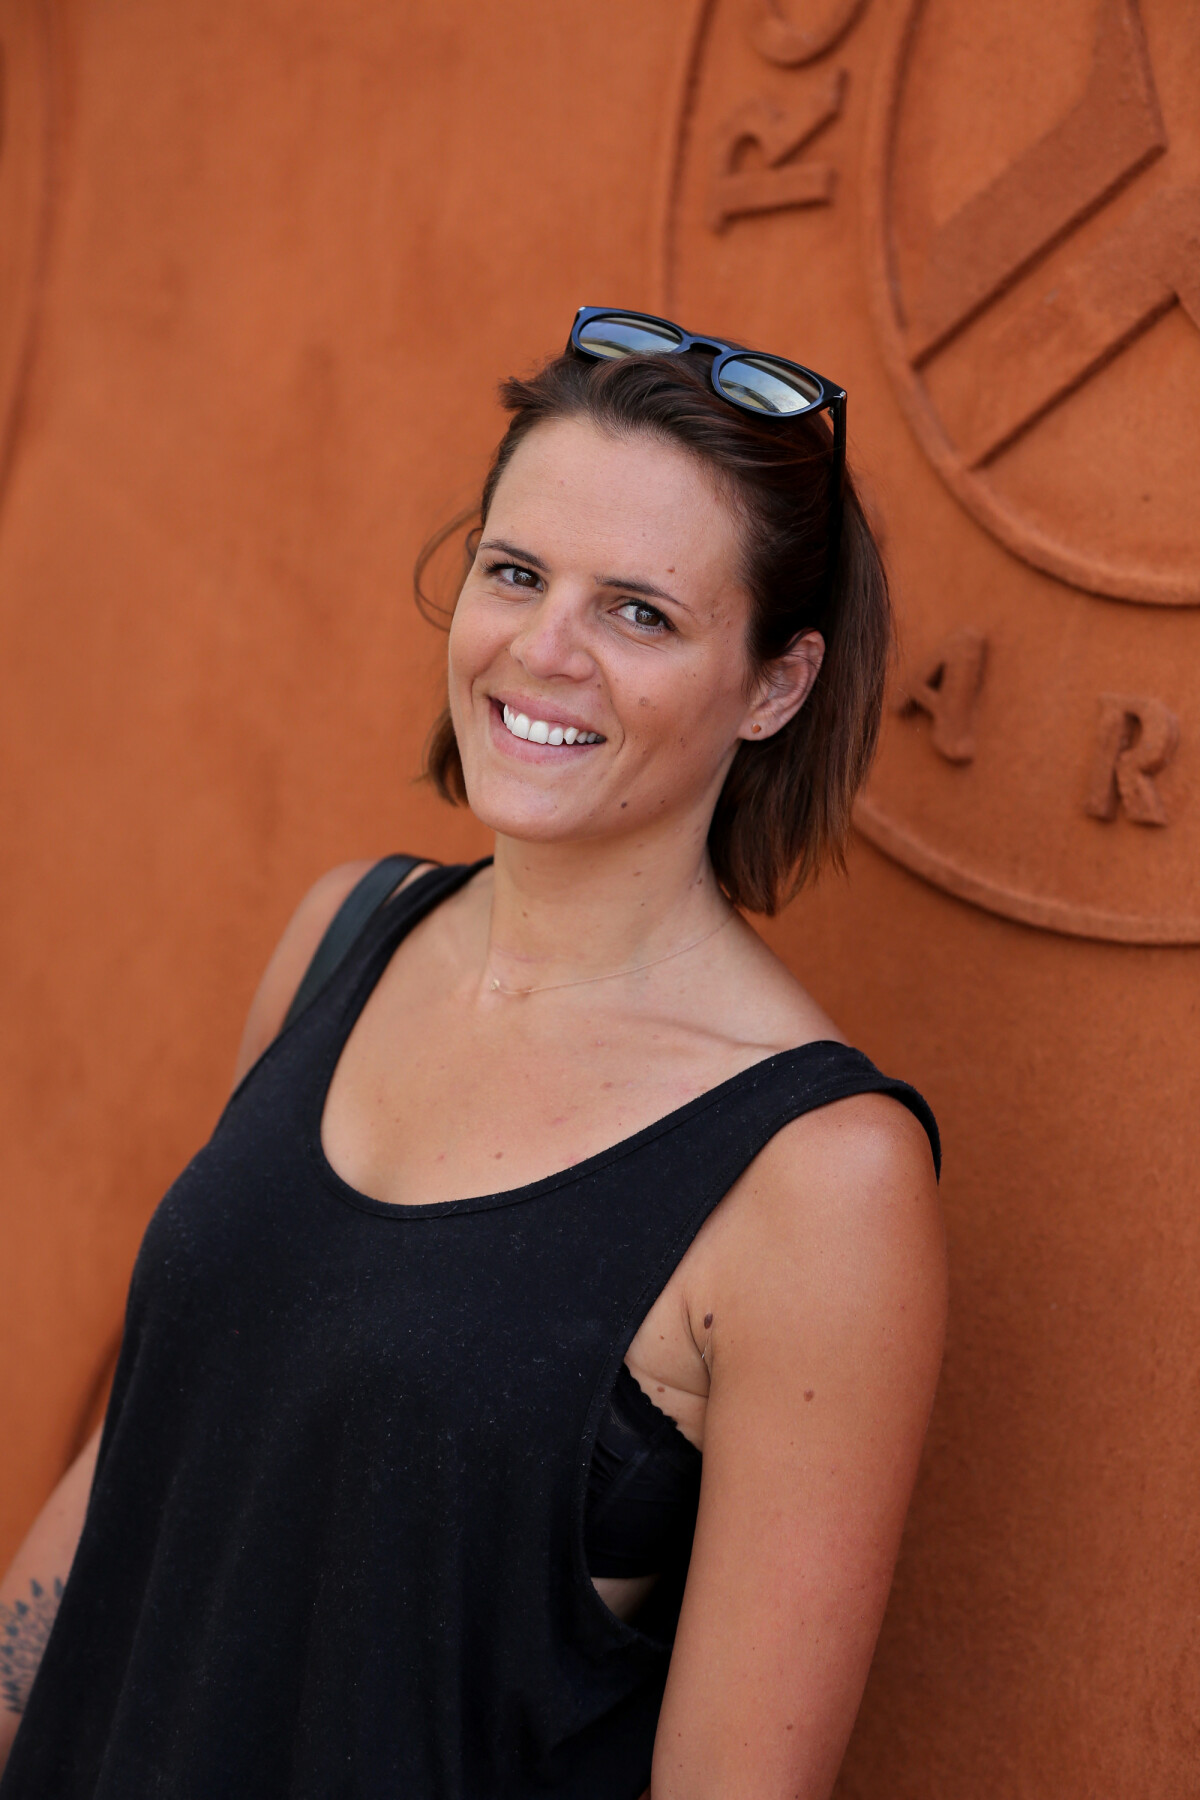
[[1135, 738]]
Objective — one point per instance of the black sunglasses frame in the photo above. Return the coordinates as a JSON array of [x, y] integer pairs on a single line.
[[831, 397]]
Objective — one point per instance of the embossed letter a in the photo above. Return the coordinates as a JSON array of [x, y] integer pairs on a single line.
[[946, 687]]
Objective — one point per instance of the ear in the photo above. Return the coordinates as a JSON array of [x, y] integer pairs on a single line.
[[783, 687]]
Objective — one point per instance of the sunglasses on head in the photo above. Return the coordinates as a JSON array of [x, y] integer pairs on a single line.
[[764, 385]]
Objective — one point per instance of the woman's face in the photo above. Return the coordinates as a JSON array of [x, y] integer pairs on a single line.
[[599, 682]]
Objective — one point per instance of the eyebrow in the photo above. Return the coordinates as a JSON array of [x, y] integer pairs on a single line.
[[515, 551], [633, 586], [630, 584]]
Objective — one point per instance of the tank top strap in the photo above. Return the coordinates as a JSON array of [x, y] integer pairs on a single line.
[[720, 1132], [309, 1042], [390, 922], [405, 908], [819, 1073], [691, 1159], [704, 1146]]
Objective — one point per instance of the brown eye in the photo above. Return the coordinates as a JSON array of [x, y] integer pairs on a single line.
[[646, 617], [513, 575]]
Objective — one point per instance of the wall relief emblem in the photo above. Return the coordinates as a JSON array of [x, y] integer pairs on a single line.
[[986, 222], [1031, 288], [25, 153]]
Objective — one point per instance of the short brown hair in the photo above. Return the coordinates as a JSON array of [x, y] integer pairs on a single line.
[[785, 807]]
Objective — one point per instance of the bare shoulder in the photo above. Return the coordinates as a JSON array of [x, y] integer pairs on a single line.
[[292, 955], [859, 1168], [837, 1215], [852, 1153]]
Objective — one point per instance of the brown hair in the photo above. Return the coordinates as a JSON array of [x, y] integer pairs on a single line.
[[785, 807]]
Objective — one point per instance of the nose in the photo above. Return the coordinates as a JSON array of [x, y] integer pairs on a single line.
[[550, 641]]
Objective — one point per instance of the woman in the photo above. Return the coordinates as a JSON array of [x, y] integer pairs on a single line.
[[561, 1204]]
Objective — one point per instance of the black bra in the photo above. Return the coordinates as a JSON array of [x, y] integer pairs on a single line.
[[643, 1488]]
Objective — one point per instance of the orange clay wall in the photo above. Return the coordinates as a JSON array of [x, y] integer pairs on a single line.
[[261, 265]]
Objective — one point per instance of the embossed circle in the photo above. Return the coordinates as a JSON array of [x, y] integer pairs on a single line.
[[1040, 753], [1020, 319]]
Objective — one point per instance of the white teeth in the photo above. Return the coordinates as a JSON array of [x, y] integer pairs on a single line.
[[539, 731]]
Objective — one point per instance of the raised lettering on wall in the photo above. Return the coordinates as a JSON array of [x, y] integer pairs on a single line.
[[1135, 739], [778, 39], [778, 137], [946, 688]]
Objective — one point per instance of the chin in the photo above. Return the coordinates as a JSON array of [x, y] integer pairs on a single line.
[[519, 810]]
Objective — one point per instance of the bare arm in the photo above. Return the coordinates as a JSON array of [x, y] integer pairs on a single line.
[[31, 1590], [828, 1314]]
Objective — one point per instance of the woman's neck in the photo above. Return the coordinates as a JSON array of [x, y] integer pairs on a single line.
[[572, 912]]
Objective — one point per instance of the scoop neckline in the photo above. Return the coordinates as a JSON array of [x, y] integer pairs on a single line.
[[369, 979]]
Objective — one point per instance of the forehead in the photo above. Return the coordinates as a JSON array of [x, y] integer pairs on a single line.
[[626, 504]]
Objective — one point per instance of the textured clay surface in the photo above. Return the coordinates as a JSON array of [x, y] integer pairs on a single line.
[[261, 267]]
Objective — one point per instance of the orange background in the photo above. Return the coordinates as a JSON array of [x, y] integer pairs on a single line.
[[290, 249]]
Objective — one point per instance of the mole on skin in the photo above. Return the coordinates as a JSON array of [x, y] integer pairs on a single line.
[[707, 1320]]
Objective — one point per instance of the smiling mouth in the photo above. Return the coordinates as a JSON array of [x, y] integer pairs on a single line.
[[539, 731]]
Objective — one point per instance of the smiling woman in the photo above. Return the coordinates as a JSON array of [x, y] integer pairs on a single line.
[[522, 1391], [798, 549]]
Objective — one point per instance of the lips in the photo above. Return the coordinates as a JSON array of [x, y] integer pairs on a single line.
[[545, 731]]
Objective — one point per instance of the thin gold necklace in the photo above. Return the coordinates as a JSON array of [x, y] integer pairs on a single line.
[[551, 987]]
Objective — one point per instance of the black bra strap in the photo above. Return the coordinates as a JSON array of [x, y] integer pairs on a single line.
[[360, 905]]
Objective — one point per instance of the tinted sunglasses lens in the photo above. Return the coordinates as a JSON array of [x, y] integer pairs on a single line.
[[624, 334], [767, 386]]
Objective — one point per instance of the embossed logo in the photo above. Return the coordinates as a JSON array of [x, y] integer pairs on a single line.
[[999, 303], [1026, 184]]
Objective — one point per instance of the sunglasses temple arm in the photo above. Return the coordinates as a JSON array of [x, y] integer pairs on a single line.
[[837, 484]]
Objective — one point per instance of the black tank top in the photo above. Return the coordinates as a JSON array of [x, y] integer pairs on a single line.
[[334, 1546]]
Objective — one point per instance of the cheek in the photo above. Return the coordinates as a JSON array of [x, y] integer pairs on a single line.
[[693, 709], [474, 640]]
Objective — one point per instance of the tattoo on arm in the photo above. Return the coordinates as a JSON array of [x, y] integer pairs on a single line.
[[24, 1629]]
